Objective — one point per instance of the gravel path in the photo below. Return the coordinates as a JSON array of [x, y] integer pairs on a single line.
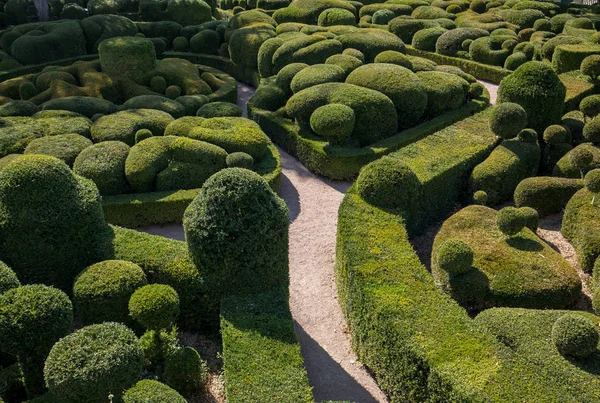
[[492, 88]]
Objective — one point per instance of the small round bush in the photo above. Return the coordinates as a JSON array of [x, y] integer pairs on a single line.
[[239, 160], [454, 9], [510, 220], [8, 278], [531, 217], [581, 158], [65, 147], [185, 371], [354, 53], [528, 136], [526, 48], [515, 60], [507, 119], [480, 197], [335, 122], [542, 25], [394, 57], [466, 44], [592, 181], [101, 292], [219, 109], [479, 6], [158, 84], [455, 256], [336, 16], [27, 91], [151, 391], [556, 134], [476, 90], [104, 163], [181, 44], [154, 306], [383, 16], [590, 106], [575, 336], [93, 362], [591, 131], [173, 92], [142, 135], [590, 66]]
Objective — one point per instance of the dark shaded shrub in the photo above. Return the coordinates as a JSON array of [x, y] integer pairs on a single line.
[[219, 109], [8, 278], [185, 371], [591, 131], [547, 194], [590, 66], [445, 92], [590, 106], [336, 16], [335, 122], [104, 163], [455, 256], [394, 57], [65, 147]]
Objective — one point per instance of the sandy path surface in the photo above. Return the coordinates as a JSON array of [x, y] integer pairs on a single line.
[[492, 88]]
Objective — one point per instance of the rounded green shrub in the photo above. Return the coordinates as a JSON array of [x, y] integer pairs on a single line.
[[575, 336], [590, 105], [478, 6], [154, 306], [239, 160], [394, 57], [591, 131], [286, 75], [181, 44], [536, 87], [354, 53], [489, 50], [449, 43], [525, 47], [592, 180], [335, 122], [546, 194], [445, 92], [507, 119], [123, 125], [142, 135], [336, 16], [185, 371], [383, 16], [531, 217], [346, 62], [590, 66], [8, 278], [104, 164], [65, 147], [528, 136], [515, 60], [93, 362], [158, 84], [480, 197], [237, 230], [127, 57], [542, 25], [27, 91], [317, 74], [101, 292], [510, 220], [556, 134], [173, 92], [372, 42], [219, 109], [151, 391], [455, 256], [64, 229], [425, 39], [454, 9], [205, 42], [581, 158], [476, 90]]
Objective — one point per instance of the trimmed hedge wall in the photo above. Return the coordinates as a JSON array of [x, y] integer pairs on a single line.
[[581, 226], [261, 357]]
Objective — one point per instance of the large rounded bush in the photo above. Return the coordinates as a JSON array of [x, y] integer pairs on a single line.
[[510, 220], [8, 278], [335, 122], [575, 336], [101, 292], [590, 66], [104, 163], [336, 16], [445, 91], [51, 221], [536, 87], [556, 134], [154, 306], [93, 362], [394, 57], [592, 180], [65, 147], [151, 391], [317, 74], [425, 39], [590, 105], [237, 231], [591, 131], [185, 371], [507, 120], [455, 256]]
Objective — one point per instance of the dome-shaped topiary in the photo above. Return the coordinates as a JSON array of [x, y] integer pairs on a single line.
[[239, 160], [507, 119], [185, 371], [510, 220], [536, 87], [101, 292], [151, 391], [574, 335], [592, 180], [590, 106], [158, 84], [335, 122], [556, 134], [63, 229], [581, 158], [336, 16], [219, 109], [181, 44], [154, 306], [531, 218], [65, 147], [93, 362], [142, 135], [476, 90], [237, 231], [528, 136], [8, 278], [591, 131], [383, 16], [32, 319], [394, 57], [590, 66], [355, 53], [173, 92], [455, 256], [480, 197], [104, 163]]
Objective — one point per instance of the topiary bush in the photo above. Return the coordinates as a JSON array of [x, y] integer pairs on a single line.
[[536, 87], [507, 119], [151, 391], [63, 230], [592, 182], [32, 319], [394, 57], [336, 16], [575, 336], [237, 229], [383, 16], [154, 306], [546, 194], [142, 135], [93, 362], [445, 92], [590, 66], [65, 147], [510, 220], [239, 160], [185, 371], [219, 109], [101, 292], [591, 131], [317, 74], [531, 217], [480, 197], [590, 106], [425, 39], [8, 278], [455, 256], [335, 122], [104, 164], [556, 134]]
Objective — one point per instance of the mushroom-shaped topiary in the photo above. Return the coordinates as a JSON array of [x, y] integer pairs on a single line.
[[591, 131], [590, 106], [575, 336], [581, 158], [32, 319], [93, 362], [151, 391], [455, 256], [335, 122], [510, 220], [480, 197], [592, 182], [528, 136], [154, 306], [8, 278], [590, 66], [142, 135], [531, 217], [507, 119], [239, 160], [556, 134], [185, 371]]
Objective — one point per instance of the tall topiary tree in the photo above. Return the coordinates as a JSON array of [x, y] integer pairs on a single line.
[[51, 221], [237, 232]]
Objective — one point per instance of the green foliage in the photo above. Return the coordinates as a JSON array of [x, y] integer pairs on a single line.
[[536, 87], [123, 125], [591, 131], [157, 345], [155, 103], [308, 11], [335, 122], [371, 42], [101, 292], [93, 362], [510, 221], [454, 256], [571, 57], [51, 221], [546, 194], [84, 105], [150, 391], [425, 39], [394, 57], [590, 66], [532, 218], [128, 57], [489, 50], [581, 226], [173, 92], [27, 91], [592, 181], [383, 16], [141, 135], [236, 228], [445, 92], [590, 105], [8, 278], [154, 306], [181, 44], [104, 163], [480, 198], [556, 134], [185, 371], [449, 43], [205, 42], [346, 62], [336, 16], [239, 160], [575, 335], [65, 147], [219, 109], [317, 74], [507, 119]]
